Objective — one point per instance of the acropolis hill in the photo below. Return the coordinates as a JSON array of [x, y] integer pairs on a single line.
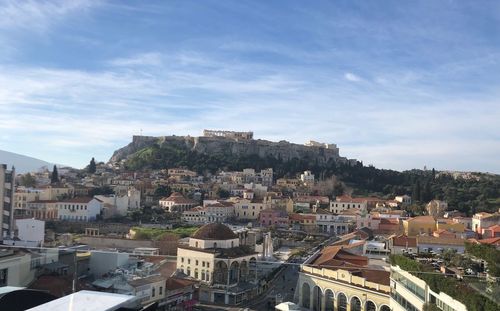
[[236, 143]]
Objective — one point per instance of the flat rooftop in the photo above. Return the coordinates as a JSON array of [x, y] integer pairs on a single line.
[[87, 301]]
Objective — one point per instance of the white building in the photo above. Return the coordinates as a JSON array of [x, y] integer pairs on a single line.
[[177, 203], [403, 199], [15, 268], [79, 209], [219, 212], [409, 292], [307, 178], [31, 230], [195, 216], [104, 262], [343, 203], [330, 223]]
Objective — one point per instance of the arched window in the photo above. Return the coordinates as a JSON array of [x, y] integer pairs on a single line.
[[317, 298], [342, 302], [355, 304], [370, 306], [329, 300], [306, 295], [385, 308], [215, 244]]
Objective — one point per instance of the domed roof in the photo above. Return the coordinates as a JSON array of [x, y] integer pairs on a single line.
[[214, 231]]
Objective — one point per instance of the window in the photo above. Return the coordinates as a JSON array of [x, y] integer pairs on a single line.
[[189, 261], [3, 277], [161, 290], [153, 292], [208, 265], [203, 264], [182, 259], [196, 262]]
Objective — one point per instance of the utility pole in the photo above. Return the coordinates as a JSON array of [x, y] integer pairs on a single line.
[[75, 261]]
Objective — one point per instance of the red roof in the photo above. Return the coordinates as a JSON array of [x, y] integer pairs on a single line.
[[79, 200], [174, 283], [404, 241], [494, 228], [177, 198], [490, 241]]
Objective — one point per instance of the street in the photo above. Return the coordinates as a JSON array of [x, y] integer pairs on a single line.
[[282, 288]]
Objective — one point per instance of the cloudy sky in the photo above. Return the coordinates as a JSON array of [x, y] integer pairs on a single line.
[[397, 85]]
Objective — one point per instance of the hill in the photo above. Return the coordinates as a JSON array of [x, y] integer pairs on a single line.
[[22, 163], [477, 192]]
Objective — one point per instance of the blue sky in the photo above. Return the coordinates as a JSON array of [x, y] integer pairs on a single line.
[[397, 84]]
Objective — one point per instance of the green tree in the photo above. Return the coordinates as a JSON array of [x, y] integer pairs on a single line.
[[28, 180], [54, 178], [426, 193], [92, 166], [162, 191], [415, 195], [223, 194], [104, 190]]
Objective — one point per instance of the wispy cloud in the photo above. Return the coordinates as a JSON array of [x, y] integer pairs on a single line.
[[349, 76], [146, 59], [38, 15]]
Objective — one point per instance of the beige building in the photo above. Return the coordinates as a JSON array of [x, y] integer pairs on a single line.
[[149, 289], [42, 209], [436, 208], [56, 192], [15, 268], [335, 279], [23, 196], [215, 257], [245, 209]]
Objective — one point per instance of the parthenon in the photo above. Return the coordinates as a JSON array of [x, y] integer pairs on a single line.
[[228, 134]]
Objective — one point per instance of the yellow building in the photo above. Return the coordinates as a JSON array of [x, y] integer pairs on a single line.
[[427, 225], [450, 225], [245, 209], [419, 225], [335, 279]]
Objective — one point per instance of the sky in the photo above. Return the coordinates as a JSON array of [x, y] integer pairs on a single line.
[[396, 84]]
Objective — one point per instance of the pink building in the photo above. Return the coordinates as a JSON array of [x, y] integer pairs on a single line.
[[273, 217]]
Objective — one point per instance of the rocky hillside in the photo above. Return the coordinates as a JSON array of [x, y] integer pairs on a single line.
[[213, 146]]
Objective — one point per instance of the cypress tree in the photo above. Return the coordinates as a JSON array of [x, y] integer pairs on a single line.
[[54, 178], [92, 166], [416, 191]]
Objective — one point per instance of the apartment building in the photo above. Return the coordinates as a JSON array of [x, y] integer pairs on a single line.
[[7, 188], [409, 292]]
